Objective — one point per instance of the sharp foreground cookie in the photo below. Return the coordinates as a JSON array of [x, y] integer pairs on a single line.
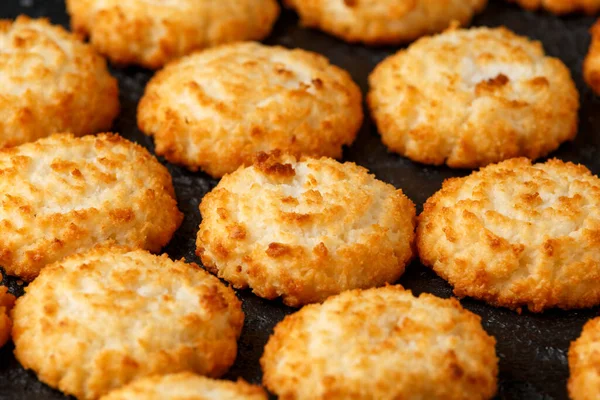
[[7, 301], [584, 363], [186, 386], [561, 6], [591, 64], [63, 195], [51, 82], [305, 230], [151, 33], [380, 22], [215, 109], [381, 344], [516, 234], [98, 320], [468, 98]]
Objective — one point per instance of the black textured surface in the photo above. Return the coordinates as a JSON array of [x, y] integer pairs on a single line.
[[532, 348]]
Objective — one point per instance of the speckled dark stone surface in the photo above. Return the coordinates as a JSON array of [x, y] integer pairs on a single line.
[[532, 348]]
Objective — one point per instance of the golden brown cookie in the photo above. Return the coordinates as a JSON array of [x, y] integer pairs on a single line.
[[97, 320], [50, 81], [380, 22], [152, 32], [381, 343], [215, 109], [186, 386], [584, 363], [591, 64], [305, 229], [62, 195], [468, 98], [516, 234], [561, 6]]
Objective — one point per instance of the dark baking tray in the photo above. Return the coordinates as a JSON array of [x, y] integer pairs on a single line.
[[532, 348]]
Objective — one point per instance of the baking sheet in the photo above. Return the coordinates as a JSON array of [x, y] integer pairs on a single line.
[[532, 348]]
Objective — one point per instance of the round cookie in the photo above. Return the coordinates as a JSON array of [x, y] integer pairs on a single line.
[[186, 386], [381, 22], [381, 344], [516, 234], [561, 6], [305, 229], [468, 98], [591, 64], [152, 32], [63, 195], [51, 82], [215, 109], [96, 321], [7, 301], [584, 363]]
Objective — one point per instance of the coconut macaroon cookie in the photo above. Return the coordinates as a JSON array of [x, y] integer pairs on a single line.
[[7, 301], [516, 234], [380, 22], [186, 386], [98, 320], [305, 229], [561, 6], [62, 195], [152, 32], [467, 98], [591, 64], [215, 109], [381, 343], [584, 363], [51, 82]]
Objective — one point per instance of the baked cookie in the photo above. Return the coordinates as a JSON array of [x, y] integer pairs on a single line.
[[305, 229], [152, 32], [63, 195], [381, 343], [97, 320], [7, 301], [516, 234], [584, 363], [51, 82], [215, 109], [381, 22], [468, 98], [591, 64], [186, 386], [561, 6]]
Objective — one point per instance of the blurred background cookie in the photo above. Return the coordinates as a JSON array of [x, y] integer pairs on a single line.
[[305, 229], [62, 195], [584, 363], [381, 344], [152, 32], [381, 22], [561, 6], [591, 64], [516, 234], [7, 301], [215, 109], [51, 82], [468, 98], [98, 320], [186, 386]]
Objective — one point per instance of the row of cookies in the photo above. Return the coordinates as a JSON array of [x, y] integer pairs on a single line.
[[151, 33], [466, 98], [119, 323], [306, 228]]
